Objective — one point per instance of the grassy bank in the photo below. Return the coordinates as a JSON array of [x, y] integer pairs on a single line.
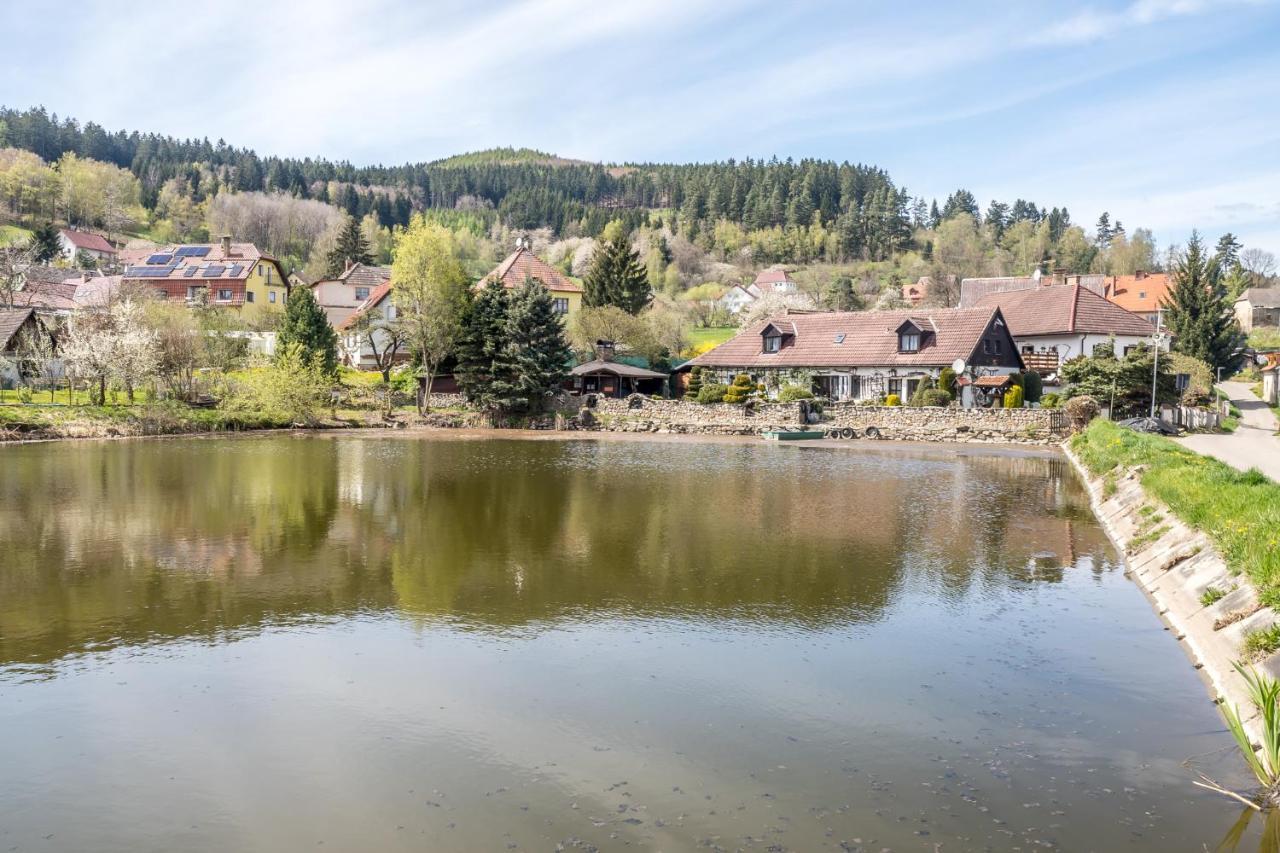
[[1239, 511]]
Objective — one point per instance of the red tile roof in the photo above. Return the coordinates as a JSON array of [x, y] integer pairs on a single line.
[[375, 298], [49, 295], [1064, 310], [242, 255], [365, 275], [87, 240], [1141, 293], [774, 276], [866, 339], [522, 264]]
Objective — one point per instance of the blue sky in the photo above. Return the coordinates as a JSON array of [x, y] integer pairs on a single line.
[[1164, 112]]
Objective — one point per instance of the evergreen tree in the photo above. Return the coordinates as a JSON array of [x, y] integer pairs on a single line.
[[695, 383], [1198, 313], [839, 295], [1104, 232], [997, 218], [305, 324], [540, 355], [484, 370], [617, 278], [45, 245], [961, 201], [935, 218], [351, 246], [1227, 252]]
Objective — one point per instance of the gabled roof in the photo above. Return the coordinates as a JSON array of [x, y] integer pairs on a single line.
[[11, 320], [379, 293], [972, 290], [617, 368], [175, 262], [867, 339], [774, 276], [522, 264], [50, 295], [365, 275], [1064, 310], [87, 240], [1261, 297], [1139, 293]]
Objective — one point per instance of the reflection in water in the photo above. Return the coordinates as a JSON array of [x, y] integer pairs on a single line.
[[391, 642]]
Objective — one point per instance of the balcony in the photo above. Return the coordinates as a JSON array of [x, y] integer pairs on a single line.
[[1043, 363]]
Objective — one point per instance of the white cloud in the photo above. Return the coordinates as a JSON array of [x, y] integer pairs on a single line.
[[1093, 25]]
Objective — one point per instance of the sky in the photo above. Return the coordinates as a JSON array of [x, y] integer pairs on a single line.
[[1164, 113]]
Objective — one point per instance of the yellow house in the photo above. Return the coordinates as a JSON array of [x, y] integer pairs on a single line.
[[566, 295], [233, 275]]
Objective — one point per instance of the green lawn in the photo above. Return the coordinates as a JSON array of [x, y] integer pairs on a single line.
[[13, 234], [714, 337], [1265, 337], [1239, 511]]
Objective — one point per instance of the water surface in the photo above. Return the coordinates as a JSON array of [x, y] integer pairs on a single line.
[[398, 643]]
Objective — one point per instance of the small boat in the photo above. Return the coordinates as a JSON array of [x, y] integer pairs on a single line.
[[793, 434]]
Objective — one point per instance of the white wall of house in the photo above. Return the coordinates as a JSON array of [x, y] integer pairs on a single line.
[[69, 250], [853, 383], [355, 350], [339, 294], [1070, 346]]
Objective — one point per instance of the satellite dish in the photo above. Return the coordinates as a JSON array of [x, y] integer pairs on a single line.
[[1260, 360], [958, 365]]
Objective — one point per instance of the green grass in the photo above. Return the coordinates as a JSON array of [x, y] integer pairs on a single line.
[[1262, 642], [1239, 511], [714, 336], [13, 234], [1212, 595], [1265, 337]]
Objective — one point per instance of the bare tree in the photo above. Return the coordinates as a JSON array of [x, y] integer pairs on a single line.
[[1259, 263], [14, 263], [382, 337]]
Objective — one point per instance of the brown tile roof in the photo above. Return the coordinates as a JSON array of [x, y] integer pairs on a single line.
[[1138, 293], [992, 381], [178, 259], [11, 320], [46, 294], [365, 275], [869, 340], [972, 290], [87, 240], [774, 276], [375, 298], [1064, 310], [522, 264], [617, 368]]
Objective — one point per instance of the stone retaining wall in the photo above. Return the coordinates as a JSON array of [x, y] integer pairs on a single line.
[[902, 423]]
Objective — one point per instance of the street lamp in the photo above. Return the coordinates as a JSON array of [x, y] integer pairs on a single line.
[[1155, 363]]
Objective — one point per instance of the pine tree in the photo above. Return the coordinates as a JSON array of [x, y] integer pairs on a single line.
[[1228, 252], [617, 278], [1198, 313], [539, 353], [352, 246], [484, 370], [1104, 232], [305, 325], [45, 245]]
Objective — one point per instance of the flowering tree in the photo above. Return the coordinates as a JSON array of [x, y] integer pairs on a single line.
[[111, 344]]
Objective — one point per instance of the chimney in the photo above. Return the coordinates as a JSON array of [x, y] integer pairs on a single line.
[[347, 265], [1139, 275], [226, 246]]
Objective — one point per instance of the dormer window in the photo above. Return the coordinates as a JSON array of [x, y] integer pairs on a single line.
[[909, 340], [772, 343]]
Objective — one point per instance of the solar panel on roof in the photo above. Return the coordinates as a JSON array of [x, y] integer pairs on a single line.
[[160, 259], [192, 251], [190, 271], [234, 270], [213, 270]]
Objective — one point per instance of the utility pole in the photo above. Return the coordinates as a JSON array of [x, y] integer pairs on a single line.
[[1155, 362]]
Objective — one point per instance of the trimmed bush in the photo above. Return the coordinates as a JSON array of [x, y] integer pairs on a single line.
[[1050, 401], [712, 392], [1032, 386], [1081, 410], [917, 396], [695, 383], [1013, 397], [742, 390], [935, 397], [947, 380], [791, 393], [893, 400]]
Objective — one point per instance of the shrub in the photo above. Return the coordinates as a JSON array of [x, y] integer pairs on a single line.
[[893, 400], [742, 390], [947, 380], [292, 390], [791, 393], [1032, 387], [1013, 397], [917, 396], [711, 392], [695, 383], [24, 394], [1050, 401], [935, 397], [1081, 410]]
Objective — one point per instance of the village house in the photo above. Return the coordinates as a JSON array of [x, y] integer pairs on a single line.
[[566, 295], [772, 281], [1142, 293], [735, 299], [340, 297], [1258, 306], [855, 355], [972, 290], [914, 294], [94, 246], [14, 323], [1053, 324], [232, 275], [359, 349]]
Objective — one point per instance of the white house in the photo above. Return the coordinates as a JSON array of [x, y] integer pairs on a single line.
[[93, 245], [361, 351], [1055, 323], [735, 299], [341, 296]]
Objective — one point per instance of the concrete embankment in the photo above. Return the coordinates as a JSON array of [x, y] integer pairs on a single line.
[[1176, 565]]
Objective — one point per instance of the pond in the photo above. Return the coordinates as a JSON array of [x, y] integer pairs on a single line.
[[355, 642]]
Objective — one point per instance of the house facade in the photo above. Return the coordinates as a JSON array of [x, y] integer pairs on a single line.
[[735, 299], [1258, 306], [566, 295], [865, 355], [341, 296], [14, 323], [360, 350], [94, 246], [1056, 323], [773, 281], [227, 274], [1142, 293]]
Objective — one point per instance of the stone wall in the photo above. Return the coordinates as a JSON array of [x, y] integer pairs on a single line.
[[1021, 426]]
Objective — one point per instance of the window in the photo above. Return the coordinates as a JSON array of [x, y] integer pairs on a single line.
[[259, 269], [362, 293], [995, 346], [772, 343], [840, 338], [162, 294], [561, 306], [248, 296], [986, 346], [895, 387], [271, 296], [224, 295], [909, 342]]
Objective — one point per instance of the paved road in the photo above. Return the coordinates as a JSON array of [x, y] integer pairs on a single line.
[[1253, 444]]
